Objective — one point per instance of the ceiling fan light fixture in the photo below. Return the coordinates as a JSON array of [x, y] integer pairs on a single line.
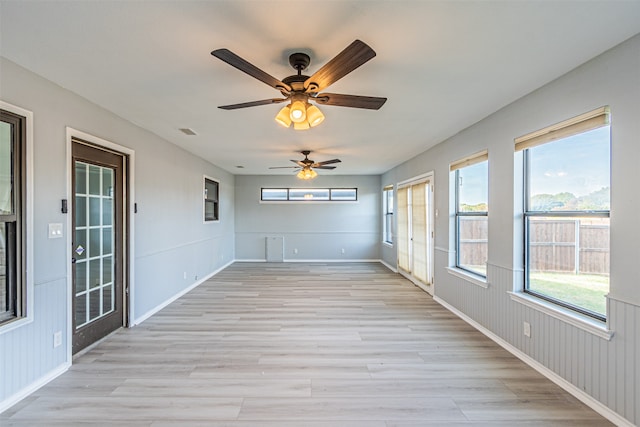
[[301, 126], [314, 115], [307, 173], [298, 111], [283, 118]]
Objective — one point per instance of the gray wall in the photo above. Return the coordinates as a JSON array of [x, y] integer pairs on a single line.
[[170, 237], [606, 370], [318, 230]]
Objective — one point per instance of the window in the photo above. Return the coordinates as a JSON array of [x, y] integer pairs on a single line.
[[12, 214], [387, 213], [211, 202], [302, 194], [347, 194], [471, 177], [309, 194], [566, 212]]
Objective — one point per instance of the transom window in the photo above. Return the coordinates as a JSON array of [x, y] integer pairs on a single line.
[[566, 214], [309, 194], [471, 177]]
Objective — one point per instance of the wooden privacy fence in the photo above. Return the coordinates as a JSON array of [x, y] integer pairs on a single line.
[[557, 245], [567, 245]]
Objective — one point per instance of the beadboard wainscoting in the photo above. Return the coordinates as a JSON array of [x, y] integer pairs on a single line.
[[604, 369], [29, 358]]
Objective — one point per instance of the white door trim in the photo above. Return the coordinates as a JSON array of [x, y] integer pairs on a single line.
[[130, 223]]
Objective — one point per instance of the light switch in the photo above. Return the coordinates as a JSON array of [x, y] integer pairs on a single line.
[[55, 231]]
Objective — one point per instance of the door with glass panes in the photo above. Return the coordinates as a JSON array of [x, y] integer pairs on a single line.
[[97, 244], [415, 232]]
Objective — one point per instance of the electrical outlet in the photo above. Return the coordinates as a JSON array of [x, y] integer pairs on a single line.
[[184, 275], [295, 251], [343, 250], [527, 329], [57, 339]]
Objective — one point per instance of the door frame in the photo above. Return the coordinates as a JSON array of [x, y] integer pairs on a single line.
[[430, 178], [128, 224]]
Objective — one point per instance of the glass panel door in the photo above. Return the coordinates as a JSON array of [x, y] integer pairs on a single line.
[[403, 229], [415, 233], [419, 231], [98, 247], [94, 266]]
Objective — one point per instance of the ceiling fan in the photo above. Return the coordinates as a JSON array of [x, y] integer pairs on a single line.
[[299, 89], [307, 165]]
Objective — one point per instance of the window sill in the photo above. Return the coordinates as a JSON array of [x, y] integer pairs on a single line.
[[14, 324], [390, 245], [585, 323], [471, 278]]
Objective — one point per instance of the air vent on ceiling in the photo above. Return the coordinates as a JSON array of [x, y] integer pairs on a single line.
[[188, 131]]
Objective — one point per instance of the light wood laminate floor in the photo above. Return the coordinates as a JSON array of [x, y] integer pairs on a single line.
[[297, 344]]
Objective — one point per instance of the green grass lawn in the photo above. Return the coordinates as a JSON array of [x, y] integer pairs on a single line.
[[583, 290]]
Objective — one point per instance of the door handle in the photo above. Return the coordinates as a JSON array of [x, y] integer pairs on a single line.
[[73, 260]]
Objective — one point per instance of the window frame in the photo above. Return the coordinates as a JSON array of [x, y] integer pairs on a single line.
[[288, 199], [455, 167], [212, 200], [22, 310], [545, 135], [387, 215]]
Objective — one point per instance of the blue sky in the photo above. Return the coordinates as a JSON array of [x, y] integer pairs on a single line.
[[579, 164], [474, 188]]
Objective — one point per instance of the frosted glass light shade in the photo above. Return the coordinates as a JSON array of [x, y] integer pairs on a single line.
[[301, 126], [283, 116], [314, 115], [298, 112]]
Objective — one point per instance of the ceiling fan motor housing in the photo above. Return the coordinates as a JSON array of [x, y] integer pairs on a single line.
[[299, 61]]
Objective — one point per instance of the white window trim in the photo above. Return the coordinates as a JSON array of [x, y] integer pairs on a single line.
[[586, 323], [28, 223], [469, 277]]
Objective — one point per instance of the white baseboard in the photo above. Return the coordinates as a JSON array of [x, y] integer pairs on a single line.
[[159, 307], [585, 398], [331, 260], [311, 260], [17, 397], [395, 270]]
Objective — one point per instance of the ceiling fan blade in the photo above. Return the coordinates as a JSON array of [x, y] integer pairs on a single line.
[[283, 167], [299, 163], [324, 167], [326, 162], [356, 54], [235, 61], [252, 103], [354, 101]]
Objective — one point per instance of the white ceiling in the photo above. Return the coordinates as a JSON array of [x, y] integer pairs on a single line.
[[443, 65]]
